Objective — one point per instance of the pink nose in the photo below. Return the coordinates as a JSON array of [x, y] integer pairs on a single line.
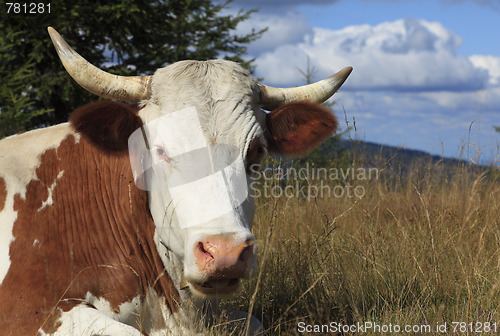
[[220, 257]]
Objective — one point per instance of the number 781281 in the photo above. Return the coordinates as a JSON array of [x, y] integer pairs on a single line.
[[27, 8]]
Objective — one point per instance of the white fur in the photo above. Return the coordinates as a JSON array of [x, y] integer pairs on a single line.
[[128, 312], [203, 185], [19, 159], [150, 316], [49, 201], [84, 320]]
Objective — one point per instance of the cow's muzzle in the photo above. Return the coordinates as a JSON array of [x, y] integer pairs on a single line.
[[223, 263]]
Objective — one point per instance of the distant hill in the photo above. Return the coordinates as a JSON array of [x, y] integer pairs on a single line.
[[396, 161], [393, 163], [403, 156], [343, 152]]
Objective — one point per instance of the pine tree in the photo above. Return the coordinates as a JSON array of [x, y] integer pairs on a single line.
[[16, 106], [126, 37]]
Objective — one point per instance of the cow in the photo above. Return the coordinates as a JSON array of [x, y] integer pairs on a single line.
[[95, 239]]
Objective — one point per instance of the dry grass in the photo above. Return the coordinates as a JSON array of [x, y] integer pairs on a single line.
[[417, 250]]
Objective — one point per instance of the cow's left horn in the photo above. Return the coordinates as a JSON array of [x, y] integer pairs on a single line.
[[96, 80], [318, 92]]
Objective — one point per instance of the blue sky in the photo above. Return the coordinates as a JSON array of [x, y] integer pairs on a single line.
[[424, 71]]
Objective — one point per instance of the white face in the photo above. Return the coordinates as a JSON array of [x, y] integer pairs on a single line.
[[199, 198]]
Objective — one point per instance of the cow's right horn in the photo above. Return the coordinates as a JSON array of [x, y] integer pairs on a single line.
[[318, 92], [97, 81]]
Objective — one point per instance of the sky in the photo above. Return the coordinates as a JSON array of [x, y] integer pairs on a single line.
[[426, 72]]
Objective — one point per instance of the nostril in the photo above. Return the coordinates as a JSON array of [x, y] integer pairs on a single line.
[[246, 253], [204, 252]]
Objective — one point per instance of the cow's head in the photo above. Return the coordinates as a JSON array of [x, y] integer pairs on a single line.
[[203, 126]]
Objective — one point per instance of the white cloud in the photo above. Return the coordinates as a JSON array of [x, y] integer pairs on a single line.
[[289, 28], [490, 64], [410, 86], [403, 55], [415, 120]]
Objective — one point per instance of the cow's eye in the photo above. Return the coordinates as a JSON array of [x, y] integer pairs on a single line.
[[162, 154], [254, 155]]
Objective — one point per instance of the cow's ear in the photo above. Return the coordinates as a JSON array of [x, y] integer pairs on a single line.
[[297, 128], [107, 124]]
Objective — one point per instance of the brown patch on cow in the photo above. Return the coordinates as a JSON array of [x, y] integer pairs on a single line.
[[52, 322], [3, 193], [297, 128], [97, 237], [107, 124]]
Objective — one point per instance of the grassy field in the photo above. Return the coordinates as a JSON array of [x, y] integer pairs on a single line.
[[420, 249]]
